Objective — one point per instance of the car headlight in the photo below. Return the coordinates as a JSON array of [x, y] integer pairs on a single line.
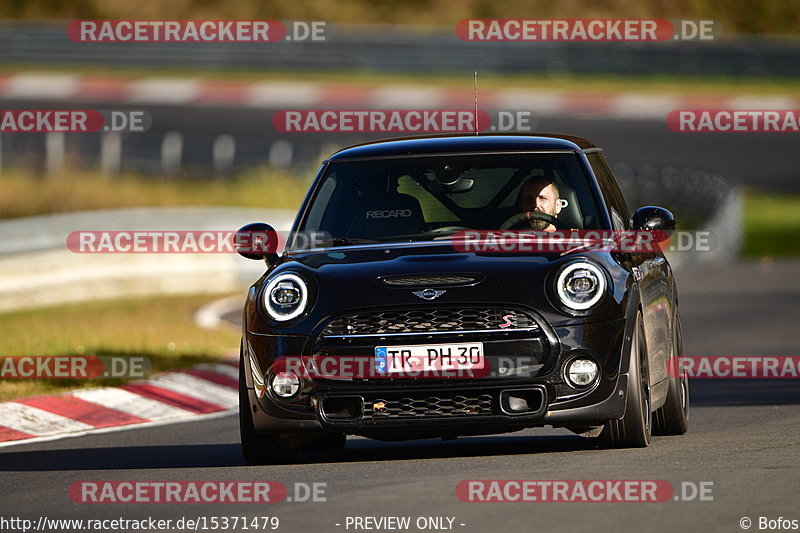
[[580, 285], [285, 297]]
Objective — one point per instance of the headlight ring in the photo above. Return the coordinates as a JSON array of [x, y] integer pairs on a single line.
[[285, 297], [580, 285]]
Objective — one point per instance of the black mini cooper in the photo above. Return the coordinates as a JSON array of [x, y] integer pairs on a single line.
[[393, 313]]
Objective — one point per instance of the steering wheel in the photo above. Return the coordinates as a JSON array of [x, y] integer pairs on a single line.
[[523, 219], [444, 230]]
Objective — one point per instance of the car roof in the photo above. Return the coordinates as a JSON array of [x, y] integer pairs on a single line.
[[462, 143]]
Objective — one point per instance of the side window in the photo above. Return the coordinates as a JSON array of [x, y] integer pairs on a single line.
[[324, 197], [617, 206]]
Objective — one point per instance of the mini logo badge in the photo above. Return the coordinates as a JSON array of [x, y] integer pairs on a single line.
[[429, 294]]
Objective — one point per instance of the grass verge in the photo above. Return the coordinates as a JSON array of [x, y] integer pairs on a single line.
[[161, 329], [771, 223], [24, 194]]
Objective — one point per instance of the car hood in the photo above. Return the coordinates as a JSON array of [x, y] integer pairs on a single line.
[[352, 278]]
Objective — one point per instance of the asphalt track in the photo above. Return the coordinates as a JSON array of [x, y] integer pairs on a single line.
[[743, 437], [757, 159]]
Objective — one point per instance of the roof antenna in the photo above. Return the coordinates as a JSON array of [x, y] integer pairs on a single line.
[[476, 102]]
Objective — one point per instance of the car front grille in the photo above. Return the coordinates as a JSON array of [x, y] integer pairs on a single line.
[[429, 321], [430, 280], [428, 407]]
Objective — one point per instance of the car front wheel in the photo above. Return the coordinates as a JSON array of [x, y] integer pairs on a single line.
[[673, 417], [258, 448], [633, 430]]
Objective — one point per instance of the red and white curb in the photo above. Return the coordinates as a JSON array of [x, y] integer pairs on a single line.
[[206, 390], [308, 95]]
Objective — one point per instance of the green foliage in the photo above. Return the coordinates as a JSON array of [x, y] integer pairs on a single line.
[[771, 224]]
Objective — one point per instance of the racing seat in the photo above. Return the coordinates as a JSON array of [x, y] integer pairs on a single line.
[[385, 215], [570, 213]]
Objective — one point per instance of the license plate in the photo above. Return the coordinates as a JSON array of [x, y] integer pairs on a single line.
[[429, 358]]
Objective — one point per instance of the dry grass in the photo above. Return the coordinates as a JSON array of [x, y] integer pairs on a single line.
[[23, 194], [161, 329]]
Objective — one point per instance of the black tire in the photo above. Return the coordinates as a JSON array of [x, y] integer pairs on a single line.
[[258, 448], [673, 417], [634, 429]]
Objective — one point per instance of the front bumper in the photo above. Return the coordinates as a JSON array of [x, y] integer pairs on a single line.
[[275, 419], [442, 408]]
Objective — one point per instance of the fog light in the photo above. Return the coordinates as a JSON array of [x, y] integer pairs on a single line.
[[581, 372], [285, 384]]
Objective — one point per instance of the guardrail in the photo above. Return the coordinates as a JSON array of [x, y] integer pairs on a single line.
[[37, 269]]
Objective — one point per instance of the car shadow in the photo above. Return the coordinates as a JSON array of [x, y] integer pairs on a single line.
[[229, 455], [365, 450]]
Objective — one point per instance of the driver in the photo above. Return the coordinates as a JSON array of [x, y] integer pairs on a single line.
[[539, 194]]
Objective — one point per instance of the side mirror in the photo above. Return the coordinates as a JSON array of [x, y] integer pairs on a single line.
[[653, 218], [258, 241]]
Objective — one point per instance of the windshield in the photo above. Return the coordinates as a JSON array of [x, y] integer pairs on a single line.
[[430, 198]]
